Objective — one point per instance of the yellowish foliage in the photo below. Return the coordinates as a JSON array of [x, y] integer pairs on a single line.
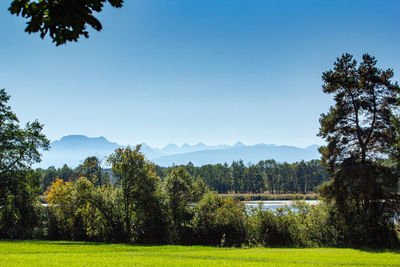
[[59, 192]]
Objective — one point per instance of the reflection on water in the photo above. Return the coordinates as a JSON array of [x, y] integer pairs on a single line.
[[274, 204]]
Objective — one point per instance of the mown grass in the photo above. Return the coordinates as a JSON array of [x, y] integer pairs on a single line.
[[59, 253]]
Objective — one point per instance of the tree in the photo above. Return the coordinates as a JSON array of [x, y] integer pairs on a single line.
[[360, 136], [48, 176], [143, 216], [91, 169], [63, 20], [19, 202], [178, 186], [271, 172], [238, 169], [19, 147], [220, 221], [66, 173], [199, 189], [84, 211], [19, 186], [302, 173], [254, 180]]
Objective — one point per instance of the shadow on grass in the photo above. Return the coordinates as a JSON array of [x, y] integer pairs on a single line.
[[379, 250], [80, 243], [94, 243]]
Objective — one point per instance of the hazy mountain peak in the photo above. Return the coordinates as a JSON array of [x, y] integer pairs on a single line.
[[238, 144], [170, 149], [73, 149], [314, 146], [200, 144], [144, 145], [81, 138], [73, 137], [171, 145]]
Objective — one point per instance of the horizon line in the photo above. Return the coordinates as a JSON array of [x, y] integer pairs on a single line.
[[182, 144]]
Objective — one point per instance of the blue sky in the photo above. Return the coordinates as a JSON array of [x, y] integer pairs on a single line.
[[194, 71]]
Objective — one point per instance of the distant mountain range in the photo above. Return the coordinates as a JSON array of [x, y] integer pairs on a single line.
[[73, 149]]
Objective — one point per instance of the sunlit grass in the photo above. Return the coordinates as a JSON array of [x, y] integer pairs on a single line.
[[48, 253]]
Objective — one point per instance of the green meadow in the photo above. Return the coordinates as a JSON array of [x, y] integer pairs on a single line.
[[59, 253]]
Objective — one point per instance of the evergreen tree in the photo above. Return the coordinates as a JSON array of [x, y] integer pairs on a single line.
[[360, 135]]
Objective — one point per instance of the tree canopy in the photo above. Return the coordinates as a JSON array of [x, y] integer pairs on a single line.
[[19, 147], [360, 124], [63, 20], [141, 202]]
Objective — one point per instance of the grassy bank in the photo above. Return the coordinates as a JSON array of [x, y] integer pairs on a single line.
[[266, 196], [47, 253]]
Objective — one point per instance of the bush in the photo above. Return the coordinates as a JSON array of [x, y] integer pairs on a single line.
[[300, 225], [220, 221]]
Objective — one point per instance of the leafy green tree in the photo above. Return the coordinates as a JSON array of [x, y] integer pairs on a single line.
[[68, 210], [199, 189], [91, 169], [360, 135], [63, 20], [207, 172], [190, 168], [178, 186], [48, 176], [298, 225], [220, 221], [20, 212], [84, 211], [143, 215], [19, 149], [66, 173]]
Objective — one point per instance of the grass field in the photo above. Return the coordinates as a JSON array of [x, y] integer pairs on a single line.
[[43, 253]]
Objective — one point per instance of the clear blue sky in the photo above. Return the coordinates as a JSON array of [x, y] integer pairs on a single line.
[[190, 71]]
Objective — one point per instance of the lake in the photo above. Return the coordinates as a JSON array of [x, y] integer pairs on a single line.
[[274, 204]]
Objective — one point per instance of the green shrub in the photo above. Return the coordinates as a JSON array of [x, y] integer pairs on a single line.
[[299, 225], [220, 221]]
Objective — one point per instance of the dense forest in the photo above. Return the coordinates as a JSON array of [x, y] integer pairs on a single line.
[[266, 176]]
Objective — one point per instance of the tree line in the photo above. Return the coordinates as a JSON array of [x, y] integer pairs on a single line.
[[139, 207], [360, 204], [265, 176]]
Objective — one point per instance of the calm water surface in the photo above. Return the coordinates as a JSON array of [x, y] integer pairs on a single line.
[[274, 204]]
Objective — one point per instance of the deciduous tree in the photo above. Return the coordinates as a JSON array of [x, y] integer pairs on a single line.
[[19, 186], [63, 20], [143, 215]]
